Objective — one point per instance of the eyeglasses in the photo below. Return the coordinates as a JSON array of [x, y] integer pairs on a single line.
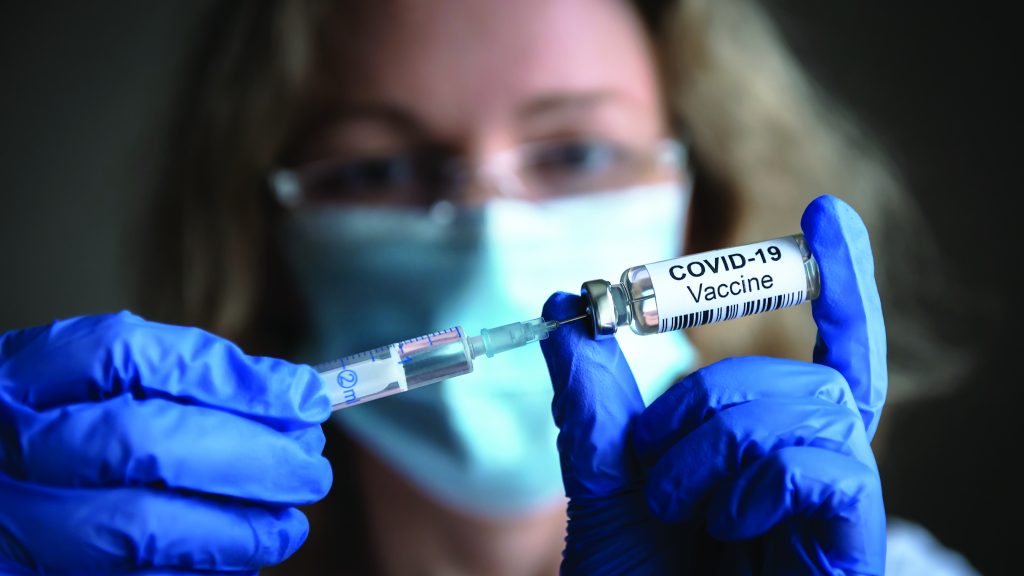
[[536, 170]]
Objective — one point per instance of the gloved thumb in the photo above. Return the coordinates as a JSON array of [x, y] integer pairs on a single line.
[[851, 330], [596, 400]]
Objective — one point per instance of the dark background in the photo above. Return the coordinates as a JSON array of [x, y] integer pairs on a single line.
[[88, 87], [932, 80]]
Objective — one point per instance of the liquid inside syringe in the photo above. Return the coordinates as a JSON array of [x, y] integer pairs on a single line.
[[427, 359]]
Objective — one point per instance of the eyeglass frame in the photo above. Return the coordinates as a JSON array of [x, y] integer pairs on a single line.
[[500, 167]]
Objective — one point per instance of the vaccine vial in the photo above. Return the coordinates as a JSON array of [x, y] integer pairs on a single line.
[[704, 288]]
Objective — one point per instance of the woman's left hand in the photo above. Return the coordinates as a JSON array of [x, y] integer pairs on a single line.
[[748, 465]]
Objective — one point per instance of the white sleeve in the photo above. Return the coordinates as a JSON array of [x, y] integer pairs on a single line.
[[912, 551]]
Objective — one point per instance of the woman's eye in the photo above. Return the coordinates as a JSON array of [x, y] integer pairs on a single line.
[[564, 168], [575, 158], [382, 176]]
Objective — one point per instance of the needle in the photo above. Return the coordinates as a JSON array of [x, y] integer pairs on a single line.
[[568, 320]]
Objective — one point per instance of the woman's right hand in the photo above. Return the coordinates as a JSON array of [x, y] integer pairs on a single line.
[[128, 445]]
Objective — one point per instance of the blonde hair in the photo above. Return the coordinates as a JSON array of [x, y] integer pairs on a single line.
[[773, 141], [764, 139]]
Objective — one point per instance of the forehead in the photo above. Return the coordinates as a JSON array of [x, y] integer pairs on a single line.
[[473, 61]]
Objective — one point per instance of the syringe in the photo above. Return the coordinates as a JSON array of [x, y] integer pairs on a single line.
[[658, 297], [416, 362]]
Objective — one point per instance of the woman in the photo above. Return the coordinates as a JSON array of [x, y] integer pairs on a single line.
[[408, 150]]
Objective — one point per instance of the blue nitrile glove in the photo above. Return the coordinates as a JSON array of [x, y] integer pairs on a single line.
[[130, 445], [749, 465]]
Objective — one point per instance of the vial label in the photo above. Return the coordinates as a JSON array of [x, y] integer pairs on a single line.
[[729, 283]]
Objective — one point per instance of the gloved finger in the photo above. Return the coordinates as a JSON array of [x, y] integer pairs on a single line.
[[99, 531], [178, 572], [8, 568], [310, 440], [726, 383], [90, 358], [837, 499], [596, 399], [848, 312], [192, 573], [123, 441], [717, 451], [167, 572]]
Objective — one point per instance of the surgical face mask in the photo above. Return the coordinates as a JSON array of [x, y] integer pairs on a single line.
[[483, 443]]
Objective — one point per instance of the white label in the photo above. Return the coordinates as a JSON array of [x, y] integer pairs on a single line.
[[396, 367], [729, 283], [363, 377]]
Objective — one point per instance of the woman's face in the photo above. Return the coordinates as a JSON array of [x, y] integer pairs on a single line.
[[402, 87]]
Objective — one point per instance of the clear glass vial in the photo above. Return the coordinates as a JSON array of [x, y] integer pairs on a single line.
[[704, 288]]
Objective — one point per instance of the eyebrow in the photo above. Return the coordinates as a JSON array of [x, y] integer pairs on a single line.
[[393, 116], [409, 125], [558, 104]]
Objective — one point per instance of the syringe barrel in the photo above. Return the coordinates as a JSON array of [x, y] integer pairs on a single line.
[[437, 363], [396, 368]]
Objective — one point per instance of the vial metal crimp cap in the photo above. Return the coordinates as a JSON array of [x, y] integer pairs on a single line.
[[606, 305]]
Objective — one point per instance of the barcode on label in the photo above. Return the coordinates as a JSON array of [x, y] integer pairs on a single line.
[[731, 311]]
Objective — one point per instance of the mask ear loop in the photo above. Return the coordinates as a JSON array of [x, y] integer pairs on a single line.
[[680, 140], [677, 150], [286, 187]]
